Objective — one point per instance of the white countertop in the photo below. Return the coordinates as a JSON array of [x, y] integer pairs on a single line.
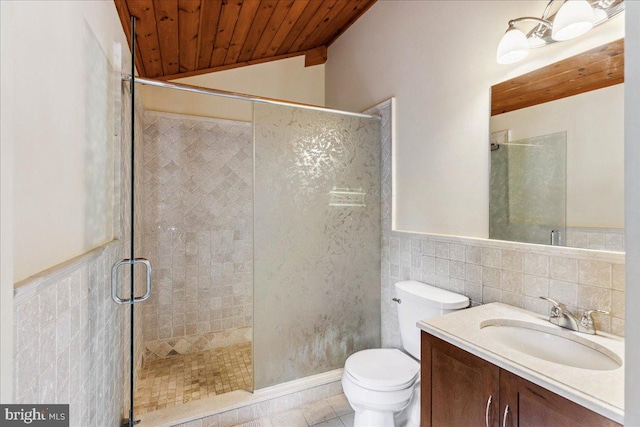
[[602, 391]]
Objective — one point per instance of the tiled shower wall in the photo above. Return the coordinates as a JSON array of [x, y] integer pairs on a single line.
[[198, 231], [493, 271]]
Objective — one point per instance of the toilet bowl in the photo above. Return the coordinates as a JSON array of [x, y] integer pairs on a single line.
[[380, 384], [383, 385]]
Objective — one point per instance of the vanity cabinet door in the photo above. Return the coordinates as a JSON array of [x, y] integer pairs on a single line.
[[530, 405], [456, 386]]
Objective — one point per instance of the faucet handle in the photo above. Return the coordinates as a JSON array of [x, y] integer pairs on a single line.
[[587, 319], [558, 309]]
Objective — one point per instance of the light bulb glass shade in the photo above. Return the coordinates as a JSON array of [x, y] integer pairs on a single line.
[[513, 47], [574, 18]]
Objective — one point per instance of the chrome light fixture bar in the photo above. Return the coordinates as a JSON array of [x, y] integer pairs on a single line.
[[572, 19]]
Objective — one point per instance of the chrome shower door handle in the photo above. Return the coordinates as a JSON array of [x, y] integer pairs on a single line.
[[114, 280]]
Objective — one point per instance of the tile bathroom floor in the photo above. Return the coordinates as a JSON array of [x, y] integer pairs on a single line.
[[179, 379], [332, 412]]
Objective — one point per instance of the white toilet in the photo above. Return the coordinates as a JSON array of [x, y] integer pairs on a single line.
[[383, 384]]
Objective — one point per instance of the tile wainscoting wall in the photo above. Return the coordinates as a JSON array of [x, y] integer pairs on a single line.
[[493, 271], [512, 273], [198, 233], [70, 339]]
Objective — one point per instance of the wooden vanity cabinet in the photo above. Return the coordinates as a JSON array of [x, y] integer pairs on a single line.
[[456, 387], [532, 406]]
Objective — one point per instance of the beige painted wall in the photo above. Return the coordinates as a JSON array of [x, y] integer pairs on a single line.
[[287, 79], [62, 128], [438, 59], [594, 122], [7, 76]]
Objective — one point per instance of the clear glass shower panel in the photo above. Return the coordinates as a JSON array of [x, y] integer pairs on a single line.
[[528, 190], [317, 241]]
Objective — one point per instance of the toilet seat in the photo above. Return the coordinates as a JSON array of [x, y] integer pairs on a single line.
[[382, 369]]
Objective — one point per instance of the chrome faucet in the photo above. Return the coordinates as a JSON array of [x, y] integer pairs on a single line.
[[561, 316]]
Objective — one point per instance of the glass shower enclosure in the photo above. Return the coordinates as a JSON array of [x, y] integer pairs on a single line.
[[264, 239], [317, 241]]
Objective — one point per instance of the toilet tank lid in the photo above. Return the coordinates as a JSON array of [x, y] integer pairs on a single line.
[[432, 296]]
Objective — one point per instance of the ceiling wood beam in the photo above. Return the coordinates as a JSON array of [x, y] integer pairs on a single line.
[[314, 53], [586, 84], [590, 70], [538, 79], [315, 56], [576, 77]]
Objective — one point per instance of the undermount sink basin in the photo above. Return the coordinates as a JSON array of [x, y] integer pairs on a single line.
[[550, 344]]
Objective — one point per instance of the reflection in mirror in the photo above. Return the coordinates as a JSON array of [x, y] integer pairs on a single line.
[[527, 199], [557, 160]]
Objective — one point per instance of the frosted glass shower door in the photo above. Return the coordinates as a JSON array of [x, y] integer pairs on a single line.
[[317, 241]]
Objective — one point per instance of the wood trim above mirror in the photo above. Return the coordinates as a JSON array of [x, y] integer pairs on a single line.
[[590, 70]]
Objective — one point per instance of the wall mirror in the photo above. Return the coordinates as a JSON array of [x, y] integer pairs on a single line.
[[557, 153]]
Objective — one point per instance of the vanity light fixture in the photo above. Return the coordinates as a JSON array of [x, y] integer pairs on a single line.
[[572, 19]]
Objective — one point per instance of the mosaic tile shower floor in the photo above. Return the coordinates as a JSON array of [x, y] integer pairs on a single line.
[[180, 379]]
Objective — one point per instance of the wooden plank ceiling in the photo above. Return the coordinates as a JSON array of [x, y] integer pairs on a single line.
[[181, 38], [590, 70]]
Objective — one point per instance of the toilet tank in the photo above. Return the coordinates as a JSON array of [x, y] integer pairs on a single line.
[[420, 301]]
